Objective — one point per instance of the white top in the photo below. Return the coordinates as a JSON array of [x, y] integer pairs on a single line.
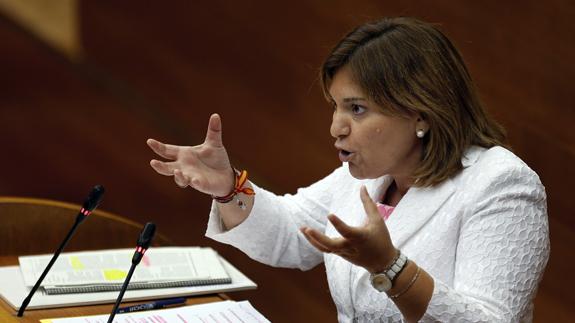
[[482, 235]]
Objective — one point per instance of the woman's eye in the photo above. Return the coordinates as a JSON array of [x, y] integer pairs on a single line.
[[357, 109]]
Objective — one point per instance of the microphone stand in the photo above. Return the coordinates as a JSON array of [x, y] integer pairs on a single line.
[[142, 245], [122, 291], [91, 203]]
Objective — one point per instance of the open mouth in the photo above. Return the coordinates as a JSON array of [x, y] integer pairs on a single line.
[[345, 155]]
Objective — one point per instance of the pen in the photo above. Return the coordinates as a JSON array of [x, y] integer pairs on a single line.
[[153, 305]]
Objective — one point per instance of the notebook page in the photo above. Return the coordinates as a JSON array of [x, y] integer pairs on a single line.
[[111, 266]]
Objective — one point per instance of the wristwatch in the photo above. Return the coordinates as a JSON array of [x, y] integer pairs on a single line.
[[383, 281]]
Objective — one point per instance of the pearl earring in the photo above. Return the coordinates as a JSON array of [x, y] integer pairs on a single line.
[[420, 133]]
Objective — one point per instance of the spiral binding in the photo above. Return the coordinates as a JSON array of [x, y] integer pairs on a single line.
[[59, 290]]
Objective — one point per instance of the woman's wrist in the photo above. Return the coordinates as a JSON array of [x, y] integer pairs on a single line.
[[386, 262], [233, 214], [405, 280], [412, 292], [231, 187], [241, 185]]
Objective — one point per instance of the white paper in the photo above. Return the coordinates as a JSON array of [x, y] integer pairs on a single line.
[[226, 311]]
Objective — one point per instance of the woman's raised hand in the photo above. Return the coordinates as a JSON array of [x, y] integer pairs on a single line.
[[368, 246], [205, 167]]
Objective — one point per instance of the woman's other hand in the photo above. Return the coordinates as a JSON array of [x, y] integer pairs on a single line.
[[368, 246], [205, 167]]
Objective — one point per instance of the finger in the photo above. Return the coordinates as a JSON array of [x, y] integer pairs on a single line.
[[313, 241], [164, 150], [180, 179], [368, 204], [331, 244], [345, 230], [164, 168], [340, 247], [214, 133]]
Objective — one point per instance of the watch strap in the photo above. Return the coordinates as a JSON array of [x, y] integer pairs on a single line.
[[396, 267]]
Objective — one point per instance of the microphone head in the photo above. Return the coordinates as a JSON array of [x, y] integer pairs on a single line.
[[145, 239], [94, 198]]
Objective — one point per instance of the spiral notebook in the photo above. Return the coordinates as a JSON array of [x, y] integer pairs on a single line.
[[102, 271]]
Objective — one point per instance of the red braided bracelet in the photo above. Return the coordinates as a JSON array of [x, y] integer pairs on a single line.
[[241, 179]]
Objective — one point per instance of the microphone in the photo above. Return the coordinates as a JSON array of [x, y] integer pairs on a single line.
[[92, 201], [144, 242], [142, 245], [89, 205]]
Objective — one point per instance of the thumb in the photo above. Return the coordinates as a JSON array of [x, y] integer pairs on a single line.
[[368, 204], [214, 133]]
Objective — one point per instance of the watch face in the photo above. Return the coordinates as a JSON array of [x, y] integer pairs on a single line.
[[381, 282]]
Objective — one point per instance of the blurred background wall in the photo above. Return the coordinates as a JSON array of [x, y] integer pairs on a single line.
[[83, 84]]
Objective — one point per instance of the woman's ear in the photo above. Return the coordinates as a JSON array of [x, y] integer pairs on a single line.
[[421, 126]]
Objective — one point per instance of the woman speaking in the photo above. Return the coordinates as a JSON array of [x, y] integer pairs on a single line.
[[428, 218]]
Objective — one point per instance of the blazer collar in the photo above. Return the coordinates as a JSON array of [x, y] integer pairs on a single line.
[[419, 204], [415, 209]]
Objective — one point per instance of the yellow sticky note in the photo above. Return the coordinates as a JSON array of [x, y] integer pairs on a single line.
[[76, 263], [114, 274], [46, 321]]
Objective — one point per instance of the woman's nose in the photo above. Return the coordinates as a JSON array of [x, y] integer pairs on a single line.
[[339, 125]]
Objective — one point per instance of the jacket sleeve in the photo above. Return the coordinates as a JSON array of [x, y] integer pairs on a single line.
[[270, 234], [502, 250]]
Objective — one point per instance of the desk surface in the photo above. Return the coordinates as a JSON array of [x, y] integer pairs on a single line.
[[7, 314]]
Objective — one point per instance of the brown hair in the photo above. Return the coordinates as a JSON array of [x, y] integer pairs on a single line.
[[408, 66]]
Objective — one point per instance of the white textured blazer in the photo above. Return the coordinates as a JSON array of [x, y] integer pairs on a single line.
[[482, 235]]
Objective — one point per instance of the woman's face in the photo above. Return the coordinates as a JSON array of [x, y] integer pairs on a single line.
[[372, 143]]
